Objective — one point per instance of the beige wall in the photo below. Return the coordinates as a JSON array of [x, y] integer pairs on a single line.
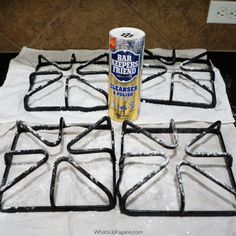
[[62, 24]]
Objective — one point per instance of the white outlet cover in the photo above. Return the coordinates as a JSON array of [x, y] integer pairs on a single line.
[[222, 12]]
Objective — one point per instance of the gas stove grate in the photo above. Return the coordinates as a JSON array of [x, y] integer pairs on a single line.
[[102, 124], [64, 66], [184, 63], [200, 133]]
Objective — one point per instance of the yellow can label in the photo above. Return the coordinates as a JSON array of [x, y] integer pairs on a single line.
[[124, 85]]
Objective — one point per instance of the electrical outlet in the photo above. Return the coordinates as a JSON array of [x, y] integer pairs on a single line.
[[222, 12], [233, 14]]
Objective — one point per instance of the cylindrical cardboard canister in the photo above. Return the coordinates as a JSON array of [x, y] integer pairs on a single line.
[[125, 72]]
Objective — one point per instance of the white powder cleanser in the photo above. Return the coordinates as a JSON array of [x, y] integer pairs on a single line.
[[125, 71]]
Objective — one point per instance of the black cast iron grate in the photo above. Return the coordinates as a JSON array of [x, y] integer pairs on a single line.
[[104, 124], [130, 128], [63, 66], [182, 73]]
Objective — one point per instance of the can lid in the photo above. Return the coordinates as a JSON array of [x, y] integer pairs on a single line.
[[127, 33]]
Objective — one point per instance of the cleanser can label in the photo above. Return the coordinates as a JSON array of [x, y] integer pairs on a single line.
[[125, 65]]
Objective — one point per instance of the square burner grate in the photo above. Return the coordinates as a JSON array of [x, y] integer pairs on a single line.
[[53, 81], [39, 165], [193, 77], [163, 173]]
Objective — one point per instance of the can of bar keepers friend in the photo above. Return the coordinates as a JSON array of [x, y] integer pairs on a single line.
[[125, 72]]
